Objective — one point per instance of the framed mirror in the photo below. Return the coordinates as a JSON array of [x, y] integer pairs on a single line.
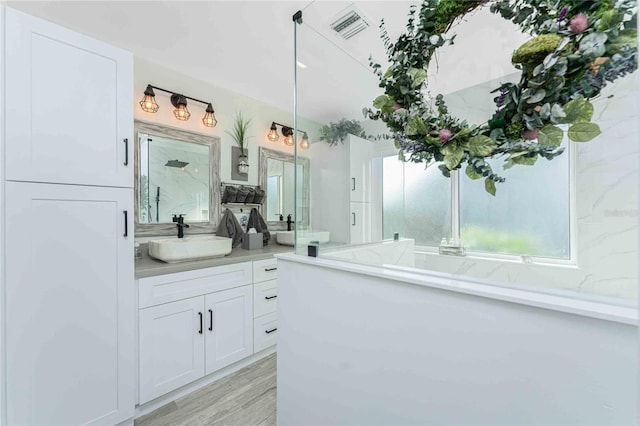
[[277, 171], [176, 172]]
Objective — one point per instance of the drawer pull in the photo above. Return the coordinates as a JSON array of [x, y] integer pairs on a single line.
[[270, 269], [210, 320], [200, 314], [271, 331], [270, 297]]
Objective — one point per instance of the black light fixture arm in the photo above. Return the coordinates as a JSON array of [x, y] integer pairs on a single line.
[[288, 127], [174, 93]]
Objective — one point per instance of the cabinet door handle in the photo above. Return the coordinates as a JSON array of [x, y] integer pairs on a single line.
[[270, 269], [270, 297], [353, 215], [210, 320], [271, 331], [200, 314], [353, 184], [126, 151], [126, 223]]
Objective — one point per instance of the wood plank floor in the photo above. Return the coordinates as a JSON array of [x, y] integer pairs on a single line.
[[244, 398]]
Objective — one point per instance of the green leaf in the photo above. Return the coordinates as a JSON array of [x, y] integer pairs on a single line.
[[401, 155], [481, 145], [471, 173], [462, 132], [550, 135], [557, 113], [380, 101], [444, 170], [452, 155], [416, 127], [525, 160], [536, 96], [577, 111], [583, 132], [490, 186], [418, 76]]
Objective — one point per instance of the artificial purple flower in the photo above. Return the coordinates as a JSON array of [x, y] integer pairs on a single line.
[[579, 23], [563, 13], [530, 134], [396, 107], [445, 135], [409, 146]]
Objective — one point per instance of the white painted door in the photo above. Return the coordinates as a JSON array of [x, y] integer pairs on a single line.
[[171, 346], [360, 223], [69, 306], [360, 152], [69, 116], [229, 327]]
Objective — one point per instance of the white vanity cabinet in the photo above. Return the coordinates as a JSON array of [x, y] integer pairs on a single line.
[[265, 304], [70, 114], [67, 234], [182, 337], [192, 324]]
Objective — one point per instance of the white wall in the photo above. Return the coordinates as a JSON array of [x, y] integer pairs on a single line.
[[365, 349]]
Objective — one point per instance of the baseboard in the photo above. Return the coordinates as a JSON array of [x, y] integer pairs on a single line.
[[153, 405]]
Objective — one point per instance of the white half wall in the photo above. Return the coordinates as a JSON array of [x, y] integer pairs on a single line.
[[362, 349]]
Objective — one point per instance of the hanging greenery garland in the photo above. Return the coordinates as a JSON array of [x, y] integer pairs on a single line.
[[577, 47]]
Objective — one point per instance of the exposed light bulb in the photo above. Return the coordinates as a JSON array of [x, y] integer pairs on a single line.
[[304, 144], [273, 133]]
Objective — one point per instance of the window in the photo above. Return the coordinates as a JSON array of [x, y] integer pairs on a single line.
[[416, 202], [529, 216]]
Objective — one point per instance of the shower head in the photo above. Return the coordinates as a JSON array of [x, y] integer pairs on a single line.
[[176, 163]]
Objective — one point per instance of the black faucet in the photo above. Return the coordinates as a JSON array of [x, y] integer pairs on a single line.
[[179, 220], [289, 222]]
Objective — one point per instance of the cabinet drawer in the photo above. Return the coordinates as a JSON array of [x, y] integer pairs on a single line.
[[168, 288], [265, 332], [265, 298], [265, 270]]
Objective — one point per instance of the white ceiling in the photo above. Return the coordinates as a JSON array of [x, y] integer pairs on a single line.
[[247, 46]]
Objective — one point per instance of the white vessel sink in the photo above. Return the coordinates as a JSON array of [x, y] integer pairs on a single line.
[[172, 250], [304, 237]]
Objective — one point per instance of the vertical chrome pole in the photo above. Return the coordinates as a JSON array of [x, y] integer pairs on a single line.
[[297, 19]]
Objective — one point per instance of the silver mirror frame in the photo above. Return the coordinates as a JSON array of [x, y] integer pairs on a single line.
[[153, 229], [266, 153]]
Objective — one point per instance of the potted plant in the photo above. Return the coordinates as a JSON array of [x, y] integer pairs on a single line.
[[336, 132], [241, 138]]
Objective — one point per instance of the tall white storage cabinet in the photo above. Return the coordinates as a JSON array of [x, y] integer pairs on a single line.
[[360, 156], [68, 207]]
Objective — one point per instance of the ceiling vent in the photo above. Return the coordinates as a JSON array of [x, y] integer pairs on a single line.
[[349, 23]]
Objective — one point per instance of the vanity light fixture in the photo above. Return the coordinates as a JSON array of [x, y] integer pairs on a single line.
[[148, 103], [287, 132], [179, 101], [209, 119], [305, 141], [273, 133], [181, 112]]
